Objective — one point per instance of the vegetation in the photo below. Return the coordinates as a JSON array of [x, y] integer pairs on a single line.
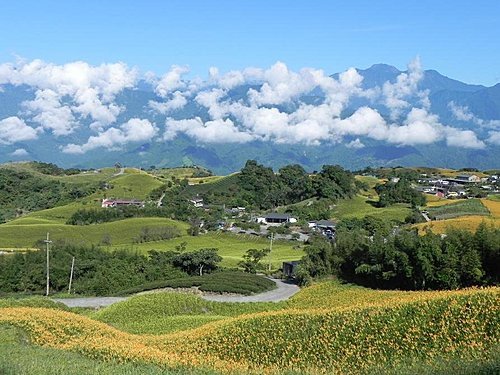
[[96, 272], [218, 282], [460, 208], [22, 191], [252, 260], [399, 192], [364, 254], [259, 187], [356, 331]]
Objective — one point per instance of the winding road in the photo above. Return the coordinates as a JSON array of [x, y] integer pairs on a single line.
[[282, 292]]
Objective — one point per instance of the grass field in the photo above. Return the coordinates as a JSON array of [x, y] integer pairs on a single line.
[[26, 232], [231, 247], [326, 328], [360, 206]]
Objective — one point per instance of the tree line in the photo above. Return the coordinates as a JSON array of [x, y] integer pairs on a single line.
[[100, 272], [259, 187], [403, 259]]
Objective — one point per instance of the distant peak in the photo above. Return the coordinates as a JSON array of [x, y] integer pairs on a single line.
[[384, 67]]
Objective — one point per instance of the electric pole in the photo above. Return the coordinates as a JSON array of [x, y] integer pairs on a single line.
[[48, 242], [270, 250], [71, 274]]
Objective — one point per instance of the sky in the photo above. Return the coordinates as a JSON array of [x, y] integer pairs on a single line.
[[460, 39]]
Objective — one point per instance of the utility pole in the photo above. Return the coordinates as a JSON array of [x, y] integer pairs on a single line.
[[270, 250], [71, 274], [48, 242]]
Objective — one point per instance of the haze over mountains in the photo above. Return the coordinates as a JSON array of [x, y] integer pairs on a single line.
[[91, 116]]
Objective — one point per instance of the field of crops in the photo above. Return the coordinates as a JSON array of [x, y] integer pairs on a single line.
[[458, 208], [469, 222], [327, 328]]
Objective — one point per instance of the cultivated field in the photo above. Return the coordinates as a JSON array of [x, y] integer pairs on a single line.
[[468, 222], [326, 328]]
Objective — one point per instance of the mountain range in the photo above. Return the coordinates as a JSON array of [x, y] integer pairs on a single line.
[[386, 117]]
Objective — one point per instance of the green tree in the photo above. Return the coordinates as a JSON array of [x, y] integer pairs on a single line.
[[252, 260]]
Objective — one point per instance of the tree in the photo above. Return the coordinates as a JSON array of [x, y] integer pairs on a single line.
[[334, 182], [198, 261], [252, 258]]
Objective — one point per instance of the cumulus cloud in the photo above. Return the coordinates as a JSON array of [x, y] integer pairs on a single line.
[[494, 138], [92, 90], [406, 86], [171, 81], [13, 129], [356, 144], [134, 130], [176, 101], [48, 111], [216, 131], [463, 113], [272, 105], [19, 152]]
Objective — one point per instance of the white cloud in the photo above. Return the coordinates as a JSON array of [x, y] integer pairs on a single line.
[[19, 152], [463, 113], [92, 90], [274, 111], [463, 138], [494, 138], [356, 144], [134, 130], [177, 101], [405, 87], [13, 129], [171, 81], [48, 112], [217, 131]]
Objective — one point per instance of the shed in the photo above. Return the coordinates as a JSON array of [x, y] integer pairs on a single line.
[[290, 267]]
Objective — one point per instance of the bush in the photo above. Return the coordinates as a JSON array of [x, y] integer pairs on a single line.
[[218, 282]]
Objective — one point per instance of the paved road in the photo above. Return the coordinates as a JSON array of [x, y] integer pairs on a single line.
[[426, 217], [95, 302], [283, 292]]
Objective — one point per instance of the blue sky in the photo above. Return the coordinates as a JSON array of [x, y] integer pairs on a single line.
[[460, 38]]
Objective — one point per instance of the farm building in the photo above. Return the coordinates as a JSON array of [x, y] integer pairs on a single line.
[[276, 218]]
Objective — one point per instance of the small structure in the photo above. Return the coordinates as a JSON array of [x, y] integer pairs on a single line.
[[325, 225], [106, 203], [289, 268], [197, 202], [276, 218]]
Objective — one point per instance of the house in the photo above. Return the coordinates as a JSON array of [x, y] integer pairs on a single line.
[[276, 218], [467, 178], [197, 202], [322, 224], [106, 203], [289, 268]]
